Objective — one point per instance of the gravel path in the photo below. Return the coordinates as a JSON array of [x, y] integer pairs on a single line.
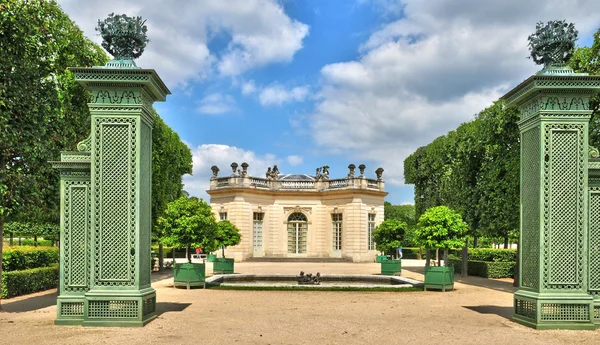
[[477, 312]]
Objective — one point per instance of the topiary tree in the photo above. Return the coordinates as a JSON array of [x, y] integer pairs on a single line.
[[442, 228], [227, 235], [188, 222], [389, 235]]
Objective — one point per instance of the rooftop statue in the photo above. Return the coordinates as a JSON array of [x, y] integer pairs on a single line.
[[553, 43], [123, 37]]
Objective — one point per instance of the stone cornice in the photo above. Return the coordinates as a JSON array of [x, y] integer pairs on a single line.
[[93, 77], [295, 193], [550, 83]]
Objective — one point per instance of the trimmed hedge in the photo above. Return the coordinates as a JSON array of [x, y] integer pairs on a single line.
[[411, 253], [24, 282], [484, 269], [493, 255], [23, 258], [492, 269]]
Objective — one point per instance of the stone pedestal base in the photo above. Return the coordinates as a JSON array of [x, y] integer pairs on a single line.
[[69, 310], [119, 308], [554, 310]]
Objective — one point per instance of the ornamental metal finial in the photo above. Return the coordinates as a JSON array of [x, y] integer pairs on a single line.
[[553, 43], [123, 37]]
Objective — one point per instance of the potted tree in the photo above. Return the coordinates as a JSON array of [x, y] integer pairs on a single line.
[[388, 237], [188, 222], [227, 235], [442, 228]]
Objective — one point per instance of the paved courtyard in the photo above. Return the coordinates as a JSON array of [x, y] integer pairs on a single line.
[[477, 312]]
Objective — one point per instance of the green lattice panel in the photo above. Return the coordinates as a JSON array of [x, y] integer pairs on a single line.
[[113, 309], [597, 313], [149, 305], [525, 308], [594, 240], [530, 195], [114, 185], [71, 309], [145, 203], [563, 214], [76, 235], [564, 312]]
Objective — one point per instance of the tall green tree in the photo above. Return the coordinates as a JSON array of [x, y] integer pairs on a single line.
[[188, 223], [171, 159], [498, 181], [227, 235], [388, 235], [404, 213], [587, 60], [42, 109], [443, 228]]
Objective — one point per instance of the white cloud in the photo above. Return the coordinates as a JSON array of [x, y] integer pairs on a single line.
[[248, 88], [206, 155], [216, 103], [277, 95], [295, 160], [421, 76], [261, 33]]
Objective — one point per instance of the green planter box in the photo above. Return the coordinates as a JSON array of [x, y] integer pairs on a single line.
[[211, 257], [391, 267], [381, 258], [188, 274], [223, 266], [439, 278]]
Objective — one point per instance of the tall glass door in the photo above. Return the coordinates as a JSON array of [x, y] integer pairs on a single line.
[[297, 233]]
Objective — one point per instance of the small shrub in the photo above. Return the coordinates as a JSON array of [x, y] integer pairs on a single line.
[[17, 283], [23, 258], [40, 242]]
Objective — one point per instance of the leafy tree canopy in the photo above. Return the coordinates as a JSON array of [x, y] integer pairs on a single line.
[[389, 235], [441, 227], [171, 159], [227, 235], [188, 222]]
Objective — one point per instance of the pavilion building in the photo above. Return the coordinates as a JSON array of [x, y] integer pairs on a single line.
[[300, 216]]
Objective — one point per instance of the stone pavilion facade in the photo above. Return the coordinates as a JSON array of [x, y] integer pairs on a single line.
[[298, 215]]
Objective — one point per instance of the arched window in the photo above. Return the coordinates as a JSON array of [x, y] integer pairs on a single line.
[[297, 229]]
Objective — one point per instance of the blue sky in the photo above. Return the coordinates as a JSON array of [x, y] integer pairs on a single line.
[[303, 84]]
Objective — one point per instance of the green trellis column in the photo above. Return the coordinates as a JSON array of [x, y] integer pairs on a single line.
[[74, 168], [120, 187], [554, 239]]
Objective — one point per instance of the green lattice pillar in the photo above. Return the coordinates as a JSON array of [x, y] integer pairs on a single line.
[[75, 208], [121, 164], [553, 285]]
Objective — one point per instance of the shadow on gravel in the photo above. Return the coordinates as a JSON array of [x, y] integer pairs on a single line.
[[165, 307], [494, 284], [156, 276], [49, 299], [30, 304], [505, 312]]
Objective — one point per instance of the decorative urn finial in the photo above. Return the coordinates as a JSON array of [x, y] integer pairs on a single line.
[[245, 169], [234, 166], [351, 167], [362, 168], [553, 44], [124, 38], [379, 173], [215, 171]]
